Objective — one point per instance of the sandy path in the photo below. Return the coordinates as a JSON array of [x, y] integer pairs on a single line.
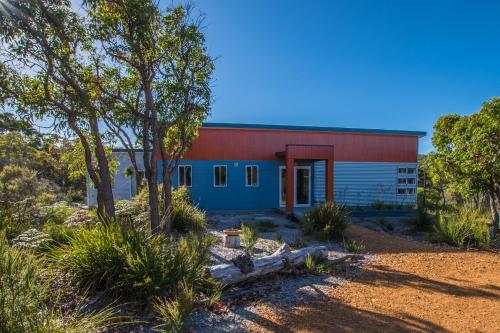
[[416, 287]]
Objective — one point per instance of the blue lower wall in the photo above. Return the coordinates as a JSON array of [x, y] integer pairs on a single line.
[[236, 195]]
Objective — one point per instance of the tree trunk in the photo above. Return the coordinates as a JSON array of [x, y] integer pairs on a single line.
[[167, 186], [152, 179], [495, 213], [281, 260], [167, 201], [104, 174]]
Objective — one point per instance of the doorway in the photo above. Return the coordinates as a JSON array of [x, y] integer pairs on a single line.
[[302, 182]]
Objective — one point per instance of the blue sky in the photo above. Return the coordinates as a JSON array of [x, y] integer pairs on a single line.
[[374, 64]]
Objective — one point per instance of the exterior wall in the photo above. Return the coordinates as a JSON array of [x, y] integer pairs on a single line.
[[362, 184], [235, 196], [262, 144], [123, 185]]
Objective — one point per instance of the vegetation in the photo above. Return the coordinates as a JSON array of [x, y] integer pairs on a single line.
[[465, 165], [386, 226], [173, 312], [319, 268], [249, 237], [125, 261], [266, 226], [354, 246], [24, 298], [327, 221], [463, 228]]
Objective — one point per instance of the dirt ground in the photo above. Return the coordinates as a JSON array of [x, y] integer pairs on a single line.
[[416, 287]]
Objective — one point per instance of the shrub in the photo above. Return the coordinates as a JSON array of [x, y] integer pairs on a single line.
[[24, 298], [32, 239], [185, 216], [188, 218], [57, 213], [463, 228], [326, 221], [378, 205], [318, 268], [249, 237], [386, 226], [59, 233], [354, 246], [126, 261], [173, 312], [266, 226]]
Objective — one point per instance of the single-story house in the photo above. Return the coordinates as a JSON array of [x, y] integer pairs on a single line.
[[252, 167]]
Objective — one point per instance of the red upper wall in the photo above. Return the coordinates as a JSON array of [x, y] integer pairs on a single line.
[[262, 144]]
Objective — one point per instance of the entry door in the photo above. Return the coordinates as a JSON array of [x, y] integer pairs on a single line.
[[302, 186], [302, 190]]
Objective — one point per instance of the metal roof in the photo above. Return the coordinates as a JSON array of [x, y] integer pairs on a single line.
[[314, 128]]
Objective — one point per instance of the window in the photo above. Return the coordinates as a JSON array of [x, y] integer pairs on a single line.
[[411, 171], [410, 191], [401, 181], [410, 181], [251, 176], [185, 175], [401, 170], [220, 175], [401, 190]]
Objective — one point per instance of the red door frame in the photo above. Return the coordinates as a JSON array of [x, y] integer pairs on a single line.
[[308, 152]]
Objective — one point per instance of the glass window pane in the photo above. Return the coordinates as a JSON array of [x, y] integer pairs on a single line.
[[248, 172], [401, 180], [223, 176], [216, 176], [410, 181], [188, 176], [411, 170], [401, 191], [402, 170], [254, 180], [181, 176]]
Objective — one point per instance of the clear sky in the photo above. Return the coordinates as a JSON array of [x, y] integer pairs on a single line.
[[374, 64]]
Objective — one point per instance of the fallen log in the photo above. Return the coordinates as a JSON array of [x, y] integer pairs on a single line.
[[280, 260]]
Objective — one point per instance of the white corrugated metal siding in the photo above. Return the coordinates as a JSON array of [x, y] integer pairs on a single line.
[[363, 183]]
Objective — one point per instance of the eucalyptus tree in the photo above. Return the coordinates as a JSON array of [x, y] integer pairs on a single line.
[[468, 151], [47, 71], [166, 51]]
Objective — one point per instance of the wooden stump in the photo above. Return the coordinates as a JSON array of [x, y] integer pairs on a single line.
[[232, 238]]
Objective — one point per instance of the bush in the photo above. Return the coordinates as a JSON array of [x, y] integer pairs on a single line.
[[173, 312], [185, 216], [188, 218], [266, 226], [24, 298], [57, 213], [464, 228], [249, 237], [378, 205], [354, 246], [126, 261], [326, 221]]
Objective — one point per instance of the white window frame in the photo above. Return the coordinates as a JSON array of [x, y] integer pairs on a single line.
[[402, 168], [213, 174], [404, 181], [414, 172], [413, 179], [179, 174], [246, 175]]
